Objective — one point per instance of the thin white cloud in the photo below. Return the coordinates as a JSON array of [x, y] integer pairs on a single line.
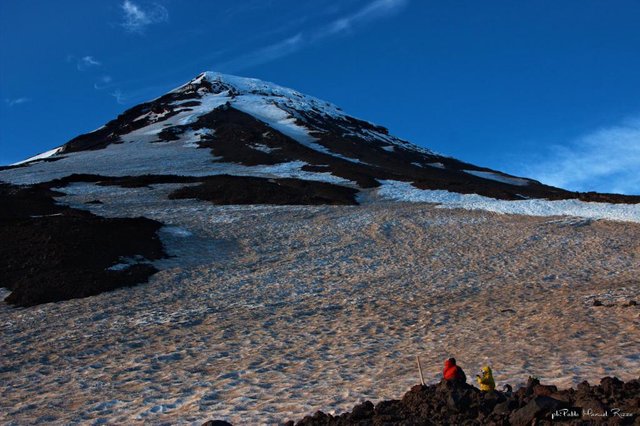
[[119, 96], [374, 10], [606, 160], [16, 101], [87, 62], [136, 18], [266, 54], [103, 82]]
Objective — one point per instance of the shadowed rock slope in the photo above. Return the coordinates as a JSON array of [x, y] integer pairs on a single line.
[[51, 253]]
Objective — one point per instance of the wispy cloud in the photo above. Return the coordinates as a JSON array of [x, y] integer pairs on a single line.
[[136, 18], [606, 160], [266, 54], [87, 62], [84, 63], [374, 10], [119, 96], [16, 101], [103, 82]]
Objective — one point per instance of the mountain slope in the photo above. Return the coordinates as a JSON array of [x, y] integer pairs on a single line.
[[220, 124]]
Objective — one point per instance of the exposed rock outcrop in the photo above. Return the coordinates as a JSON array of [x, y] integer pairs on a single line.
[[610, 402]]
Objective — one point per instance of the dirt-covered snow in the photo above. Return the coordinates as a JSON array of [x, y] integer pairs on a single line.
[[270, 313]]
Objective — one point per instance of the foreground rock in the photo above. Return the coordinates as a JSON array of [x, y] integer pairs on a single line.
[[611, 402]]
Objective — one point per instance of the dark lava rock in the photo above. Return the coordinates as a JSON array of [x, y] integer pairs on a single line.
[[591, 408], [362, 411], [611, 385], [542, 390], [51, 253], [216, 423], [538, 408], [21, 202], [226, 189], [460, 404]]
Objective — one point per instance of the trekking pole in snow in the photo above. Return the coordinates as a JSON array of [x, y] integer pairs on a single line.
[[420, 370]]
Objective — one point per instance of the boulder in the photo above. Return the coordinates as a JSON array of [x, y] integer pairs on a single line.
[[539, 407], [592, 409], [362, 411], [544, 390], [611, 385]]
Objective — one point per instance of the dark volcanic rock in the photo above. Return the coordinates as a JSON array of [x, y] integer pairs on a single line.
[[539, 407], [21, 202], [225, 189], [454, 404], [216, 423], [138, 181], [543, 390], [51, 253], [219, 189]]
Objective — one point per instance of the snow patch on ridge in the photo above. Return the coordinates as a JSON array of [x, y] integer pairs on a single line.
[[498, 177], [437, 165], [270, 113], [404, 191], [277, 118], [42, 156], [263, 148]]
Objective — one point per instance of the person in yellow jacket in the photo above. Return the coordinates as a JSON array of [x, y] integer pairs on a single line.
[[486, 381]]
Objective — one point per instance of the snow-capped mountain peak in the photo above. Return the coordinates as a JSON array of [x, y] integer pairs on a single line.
[[219, 124]]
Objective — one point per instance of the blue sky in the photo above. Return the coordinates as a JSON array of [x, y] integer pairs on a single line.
[[545, 89]]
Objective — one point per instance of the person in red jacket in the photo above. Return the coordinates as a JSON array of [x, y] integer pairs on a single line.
[[452, 372]]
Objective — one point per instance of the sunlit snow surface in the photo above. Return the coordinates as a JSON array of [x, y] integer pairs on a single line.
[[42, 156], [267, 313], [404, 191]]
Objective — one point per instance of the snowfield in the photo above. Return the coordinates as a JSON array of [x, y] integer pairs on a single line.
[[265, 314], [404, 191]]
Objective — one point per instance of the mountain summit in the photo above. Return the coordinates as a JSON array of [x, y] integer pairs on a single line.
[[219, 124]]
